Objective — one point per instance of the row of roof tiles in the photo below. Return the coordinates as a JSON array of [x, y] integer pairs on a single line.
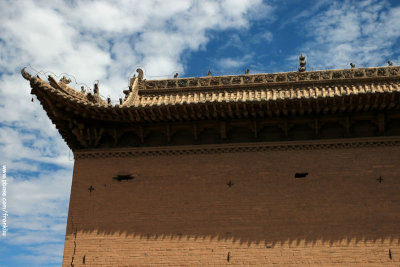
[[264, 94], [238, 93]]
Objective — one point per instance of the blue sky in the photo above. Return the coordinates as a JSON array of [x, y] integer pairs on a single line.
[[107, 41]]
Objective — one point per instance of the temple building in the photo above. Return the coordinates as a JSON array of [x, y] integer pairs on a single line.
[[281, 169]]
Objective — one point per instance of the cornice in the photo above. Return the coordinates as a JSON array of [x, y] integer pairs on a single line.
[[237, 148]]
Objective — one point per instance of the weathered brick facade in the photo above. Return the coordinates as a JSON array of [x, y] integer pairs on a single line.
[[178, 210]]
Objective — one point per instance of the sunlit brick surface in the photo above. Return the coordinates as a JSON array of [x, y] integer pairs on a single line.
[[179, 211]]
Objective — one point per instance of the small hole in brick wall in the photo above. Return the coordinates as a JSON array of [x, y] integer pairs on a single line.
[[228, 258], [300, 174], [390, 254], [122, 177], [84, 259], [268, 247]]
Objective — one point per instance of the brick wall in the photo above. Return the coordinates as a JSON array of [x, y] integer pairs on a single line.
[[179, 211]]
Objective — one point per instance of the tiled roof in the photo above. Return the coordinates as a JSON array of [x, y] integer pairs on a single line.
[[286, 92], [83, 118], [243, 88]]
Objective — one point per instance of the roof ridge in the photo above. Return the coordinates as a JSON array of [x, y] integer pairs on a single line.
[[271, 78], [264, 73]]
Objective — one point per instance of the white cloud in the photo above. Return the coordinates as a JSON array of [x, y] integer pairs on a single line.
[[37, 209], [230, 63], [43, 254], [233, 63], [38, 196], [362, 32], [267, 36]]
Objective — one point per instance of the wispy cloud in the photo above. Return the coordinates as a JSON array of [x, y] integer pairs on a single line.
[[37, 207], [362, 32], [265, 37], [229, 63]]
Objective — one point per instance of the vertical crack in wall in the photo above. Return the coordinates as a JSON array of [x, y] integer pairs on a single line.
[[73, 255], [75, 232]]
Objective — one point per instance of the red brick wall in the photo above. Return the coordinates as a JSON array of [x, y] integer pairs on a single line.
[[179, 210]]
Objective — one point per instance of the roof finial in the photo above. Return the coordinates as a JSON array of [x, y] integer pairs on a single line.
[[25, 74], [140, 73], [96, 89], [302, 63], [390, 63], [352, 65], [247, 71], [209, 73], [65, 80], [176, 75], [82, 89]]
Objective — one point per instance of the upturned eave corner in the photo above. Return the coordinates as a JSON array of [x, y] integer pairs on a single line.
[[131, 94], [25, 74]]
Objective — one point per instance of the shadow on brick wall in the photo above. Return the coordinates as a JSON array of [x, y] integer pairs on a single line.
[[249, 198]]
